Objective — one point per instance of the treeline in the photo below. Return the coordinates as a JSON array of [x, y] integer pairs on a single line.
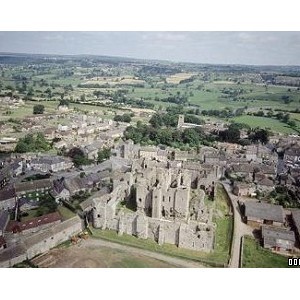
[[149, 135], [32, 143], [170, 119]]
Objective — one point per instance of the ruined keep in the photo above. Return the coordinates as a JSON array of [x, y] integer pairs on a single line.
[[168, 208]]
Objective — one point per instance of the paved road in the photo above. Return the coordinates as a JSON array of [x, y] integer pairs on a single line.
[[240, 229], [172, 260]]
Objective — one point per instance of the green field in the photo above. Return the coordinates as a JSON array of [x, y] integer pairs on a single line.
[[254, 256], [266, 123]]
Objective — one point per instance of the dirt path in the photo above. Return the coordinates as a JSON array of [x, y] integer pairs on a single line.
[[92, 242]]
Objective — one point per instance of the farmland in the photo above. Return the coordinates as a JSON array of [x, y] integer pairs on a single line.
[[112, 83]]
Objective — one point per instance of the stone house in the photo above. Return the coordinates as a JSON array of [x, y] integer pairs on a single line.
[[3, 180], [242, 170], [59, 190], [296, 222], [251, 152], [33, 189], [40, 242], [35, 224], [4, 218], [17, 167], [51, 164], [258, 213], [292, 155], [265, 184], [7, 198], [50, 133], [243, 189], [277, 238]]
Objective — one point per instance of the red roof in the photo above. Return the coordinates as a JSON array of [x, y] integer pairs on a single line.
[[14, 226]]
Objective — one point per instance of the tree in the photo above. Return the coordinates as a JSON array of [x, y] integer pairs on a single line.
[[78, 157], [31, 143], [286, 118], [64, 102], [123, 118], [261, 135], [231, 135], [38, 109], [103, 154]]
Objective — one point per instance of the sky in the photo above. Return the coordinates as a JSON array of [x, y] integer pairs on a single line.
[[215, 47]]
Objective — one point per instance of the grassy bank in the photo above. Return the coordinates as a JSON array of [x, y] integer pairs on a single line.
[[254, 256]]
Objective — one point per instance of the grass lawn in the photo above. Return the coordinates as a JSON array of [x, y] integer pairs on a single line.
[[254, 256], [263, 122], [31, 215], [65, 213], [224, 230]]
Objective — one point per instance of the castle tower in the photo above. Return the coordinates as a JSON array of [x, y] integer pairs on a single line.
[[180, 121]]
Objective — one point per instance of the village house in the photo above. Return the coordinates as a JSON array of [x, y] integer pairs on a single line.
[[49, 133], [59, 190], [86, 183], [296, 222], [92, 150], [265, 184], [242, 170], [4, 219], [7, 198], [277, 238], [26, 203], [33, 189], [292, 155], [51, 164], [243, 189], [16, 168], [229, 148], [3, 180], [258, 213], [35, 224], [40, 242]]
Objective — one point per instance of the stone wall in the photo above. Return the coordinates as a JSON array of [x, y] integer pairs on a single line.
[[41, 242]]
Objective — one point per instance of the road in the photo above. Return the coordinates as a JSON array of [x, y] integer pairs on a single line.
[[169, 259], [240, 229]]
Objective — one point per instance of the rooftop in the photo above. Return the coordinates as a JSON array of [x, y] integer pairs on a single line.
[[33, 223], [264, 211], [296, 218], [278, 237], [4, 217]]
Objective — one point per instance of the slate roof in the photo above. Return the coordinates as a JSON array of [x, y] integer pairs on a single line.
[[243, 168], [4, 217], [264, 211], [296, 218], [266, 182], [278, 237], [33, 185], [7, 193], [50, 160]]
